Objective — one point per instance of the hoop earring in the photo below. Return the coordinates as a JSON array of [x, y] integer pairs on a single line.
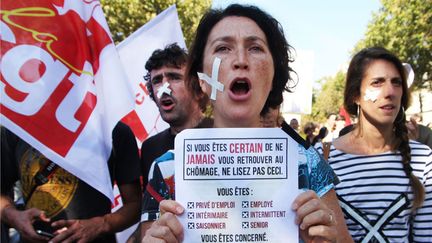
[[358, 110]]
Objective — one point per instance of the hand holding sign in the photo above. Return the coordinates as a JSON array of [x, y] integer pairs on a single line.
[[173, 229]]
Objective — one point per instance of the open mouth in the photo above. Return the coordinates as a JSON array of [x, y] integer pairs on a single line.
[[240, 87], [166, 103]]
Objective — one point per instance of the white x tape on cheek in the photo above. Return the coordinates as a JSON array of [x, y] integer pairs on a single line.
[[164, 89], [213, 81], [371, 94]]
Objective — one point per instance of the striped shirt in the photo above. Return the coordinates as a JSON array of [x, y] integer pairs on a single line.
[[375, 194]]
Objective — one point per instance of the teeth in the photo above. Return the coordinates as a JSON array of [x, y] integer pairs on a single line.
[[241, 81]]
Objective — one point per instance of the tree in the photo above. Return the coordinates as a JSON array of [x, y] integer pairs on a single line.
[[405, 28], [329, 99], [126, 16]]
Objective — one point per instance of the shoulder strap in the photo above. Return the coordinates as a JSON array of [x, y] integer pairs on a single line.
[[293, 134], [326, 149], [42, 177]]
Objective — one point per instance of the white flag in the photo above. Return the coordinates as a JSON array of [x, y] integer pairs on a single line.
[[300, 101], [134, 52]]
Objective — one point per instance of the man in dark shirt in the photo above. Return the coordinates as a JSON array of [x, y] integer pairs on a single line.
[[64, 201], [165, 83]]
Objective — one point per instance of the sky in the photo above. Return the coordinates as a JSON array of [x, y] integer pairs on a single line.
[[327, 28]]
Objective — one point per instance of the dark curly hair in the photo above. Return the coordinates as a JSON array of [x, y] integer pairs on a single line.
[[356, 71], [172, 56], [279, 48]]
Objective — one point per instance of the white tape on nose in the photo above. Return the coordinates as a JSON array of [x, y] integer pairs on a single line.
[[164, 89], [371, 94], [213, 81]]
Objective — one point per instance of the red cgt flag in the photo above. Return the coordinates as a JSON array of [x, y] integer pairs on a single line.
[[62, 86]]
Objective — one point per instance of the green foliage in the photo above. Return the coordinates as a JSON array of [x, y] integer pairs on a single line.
[[329, 99], [402, 26], [405, 28], [126, 16]]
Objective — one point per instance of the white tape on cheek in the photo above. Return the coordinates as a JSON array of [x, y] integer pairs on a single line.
[[213, 81], [215, 68], [371, 94], [164, 89]]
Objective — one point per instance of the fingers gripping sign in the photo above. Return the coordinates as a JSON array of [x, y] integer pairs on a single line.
[[213, 80], [315, 219], [167, 228]]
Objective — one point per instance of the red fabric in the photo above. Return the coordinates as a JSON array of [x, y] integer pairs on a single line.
[[37, 26], [133, 121], [345, 114]]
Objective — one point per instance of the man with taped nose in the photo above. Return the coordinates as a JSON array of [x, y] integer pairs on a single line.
[[177, 107], [165, 83]]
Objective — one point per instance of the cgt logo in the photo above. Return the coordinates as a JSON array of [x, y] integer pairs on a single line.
[[49, 55]]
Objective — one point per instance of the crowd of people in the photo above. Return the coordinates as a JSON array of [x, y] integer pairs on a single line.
[[337, 125], [373, 185]]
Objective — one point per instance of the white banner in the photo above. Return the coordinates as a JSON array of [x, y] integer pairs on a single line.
[[300, 101], [134, 52]]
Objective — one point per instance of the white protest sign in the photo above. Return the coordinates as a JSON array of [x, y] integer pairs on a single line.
[[237, 184]]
